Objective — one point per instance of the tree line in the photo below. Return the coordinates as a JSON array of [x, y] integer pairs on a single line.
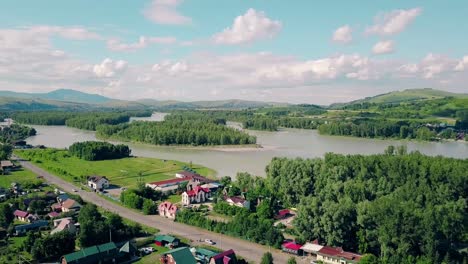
[[96, 150], [403, 208], [379, 129], [177, 131], [82, 120], [13, 133]]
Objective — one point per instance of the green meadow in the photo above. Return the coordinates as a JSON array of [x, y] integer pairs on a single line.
[[125, 172]]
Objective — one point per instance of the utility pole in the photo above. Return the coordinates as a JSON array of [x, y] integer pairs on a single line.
[[110, 235]]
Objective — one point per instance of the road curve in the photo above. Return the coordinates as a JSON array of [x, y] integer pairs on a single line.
[[248, 250]]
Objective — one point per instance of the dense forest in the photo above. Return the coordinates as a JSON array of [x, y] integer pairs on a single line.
[[378, 129], [401, 207], [82, 120], [15, 132], [177, 130], [94, 150]]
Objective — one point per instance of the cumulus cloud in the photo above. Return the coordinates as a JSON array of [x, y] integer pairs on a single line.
[[143, 42], [462, 64], [383, 47], [393, 22], [109, 68], [165, 12], [252, 26], [343, 34]]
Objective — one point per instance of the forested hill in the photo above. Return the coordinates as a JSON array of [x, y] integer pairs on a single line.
[[65, 95], [408, 95]]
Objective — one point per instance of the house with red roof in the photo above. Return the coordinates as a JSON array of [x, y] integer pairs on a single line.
[[21, 215], [226, 257], [167, 185], [292, 248], [168, 210], [196, 195], [333, 255], [282, 214]]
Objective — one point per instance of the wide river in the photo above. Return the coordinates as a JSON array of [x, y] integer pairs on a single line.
[[284, 143]]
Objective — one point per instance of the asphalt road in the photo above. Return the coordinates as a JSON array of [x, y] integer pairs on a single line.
[[248, 250]]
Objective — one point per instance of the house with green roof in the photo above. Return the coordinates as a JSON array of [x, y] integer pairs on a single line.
[[181, 255], [104, 253], [166, 241]]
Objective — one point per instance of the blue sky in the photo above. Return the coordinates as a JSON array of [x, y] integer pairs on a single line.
[[305, 52]]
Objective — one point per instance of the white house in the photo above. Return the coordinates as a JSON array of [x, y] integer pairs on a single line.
[[98, 183], [197, 195], [237, 201]]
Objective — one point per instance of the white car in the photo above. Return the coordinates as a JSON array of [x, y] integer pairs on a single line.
[[209, 241]]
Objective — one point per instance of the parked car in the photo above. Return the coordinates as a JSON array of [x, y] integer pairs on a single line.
[[209, 241], [74, 190]]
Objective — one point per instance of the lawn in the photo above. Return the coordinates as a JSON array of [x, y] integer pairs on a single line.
[[122, 172], [19, 176]]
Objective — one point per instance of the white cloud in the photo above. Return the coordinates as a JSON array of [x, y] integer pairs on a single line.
[[165, 12], [393, 22], [383, 47], [73, 33], [462, 64], [343, 34], [143, 42], [409, 68], [252, 26], [109, 68]]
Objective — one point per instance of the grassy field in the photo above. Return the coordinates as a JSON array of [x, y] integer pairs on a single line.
[[122, 172], [17, 176]]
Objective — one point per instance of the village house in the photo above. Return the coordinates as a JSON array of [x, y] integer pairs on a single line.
[[6, 166], [332, 255], [167, 185], [64, 224], [196, 195], [226, 257], [62, 198], [167, 209], [70, 205], [312, 248], [53, 214], [98, 183], [181, 255], [203, 255], [237, 201], [283, 214], [166, 241], [21, 215], [104, 253], [292, 248]]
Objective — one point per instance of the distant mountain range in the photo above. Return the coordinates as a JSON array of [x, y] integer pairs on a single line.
[[75, 100], [71, 99], [66, 95]]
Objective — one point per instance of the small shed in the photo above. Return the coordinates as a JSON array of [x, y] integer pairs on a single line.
[[166, 241]]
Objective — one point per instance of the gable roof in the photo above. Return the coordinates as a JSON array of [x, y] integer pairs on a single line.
[[63, 224], [205, 252], [165, 238], [96, 178], [197, 189], [339, 253], [225, 257], [182, 255], [70, 203], [62, 197], [236, 199], [292, 246], [19, 213], [90, 254], [169, 182]]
